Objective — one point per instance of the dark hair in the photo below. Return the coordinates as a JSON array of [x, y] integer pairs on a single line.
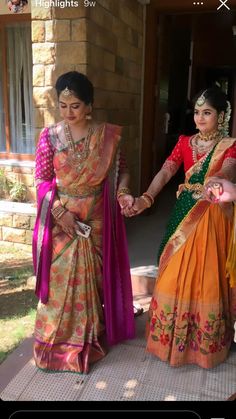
[[215, 97], [78, 83]]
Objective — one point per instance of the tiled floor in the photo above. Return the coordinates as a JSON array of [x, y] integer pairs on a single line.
[[127, 373]]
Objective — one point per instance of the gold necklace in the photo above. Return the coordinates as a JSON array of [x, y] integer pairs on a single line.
[[198, 149], [77, 158], [209, 136]]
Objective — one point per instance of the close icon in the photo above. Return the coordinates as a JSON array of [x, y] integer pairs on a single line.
[[223, 3]]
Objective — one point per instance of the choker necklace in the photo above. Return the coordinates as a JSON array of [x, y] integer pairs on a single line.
[[209, 136]]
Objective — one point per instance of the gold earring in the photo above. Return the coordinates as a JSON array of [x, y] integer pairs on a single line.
[[89, 116], [220, 121]]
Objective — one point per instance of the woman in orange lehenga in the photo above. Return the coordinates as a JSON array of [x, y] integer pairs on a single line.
[[191, 313], [83, 282]]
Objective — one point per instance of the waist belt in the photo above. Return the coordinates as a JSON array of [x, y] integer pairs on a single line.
[[78, 192], [196, 188]]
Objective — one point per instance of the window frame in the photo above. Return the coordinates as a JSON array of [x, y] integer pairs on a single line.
[[4, 21]]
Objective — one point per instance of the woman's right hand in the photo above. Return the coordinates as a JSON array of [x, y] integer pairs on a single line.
[[139, 206], [67, 223]]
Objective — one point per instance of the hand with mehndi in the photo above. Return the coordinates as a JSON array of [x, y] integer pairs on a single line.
[[140, 204], [67, 222], [125, 201], [220, 190]]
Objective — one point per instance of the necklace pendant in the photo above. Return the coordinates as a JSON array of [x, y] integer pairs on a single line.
[[197, 195], [197, 168]]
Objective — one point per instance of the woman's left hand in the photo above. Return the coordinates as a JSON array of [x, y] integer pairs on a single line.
[[220, 190], [213, 189], [139, 206], [125, 201]]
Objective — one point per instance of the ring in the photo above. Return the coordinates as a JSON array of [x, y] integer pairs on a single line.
[[216, 185]]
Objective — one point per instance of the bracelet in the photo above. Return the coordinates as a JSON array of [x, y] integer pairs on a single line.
[[149, 197], [148, 202], [58, 211], [123, 191]]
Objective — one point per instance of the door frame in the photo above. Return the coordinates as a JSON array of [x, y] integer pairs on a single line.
[[153, 10]]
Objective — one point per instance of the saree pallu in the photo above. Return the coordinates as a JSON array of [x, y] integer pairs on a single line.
[[73, 326], [193, 308]]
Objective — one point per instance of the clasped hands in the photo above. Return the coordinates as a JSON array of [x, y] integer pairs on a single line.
[[131, 206]]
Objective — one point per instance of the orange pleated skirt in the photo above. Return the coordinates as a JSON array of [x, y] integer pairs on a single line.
[[193, 308]]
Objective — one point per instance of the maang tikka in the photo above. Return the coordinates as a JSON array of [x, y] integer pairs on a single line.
[[67, 92], [201, 100]]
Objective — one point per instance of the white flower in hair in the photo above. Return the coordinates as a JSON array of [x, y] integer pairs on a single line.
[[225, 125]]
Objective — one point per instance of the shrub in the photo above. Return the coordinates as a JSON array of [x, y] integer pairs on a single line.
[[11, 190]]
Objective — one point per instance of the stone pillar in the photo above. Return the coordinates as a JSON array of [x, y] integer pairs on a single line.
[[54, 53], [104, 41]]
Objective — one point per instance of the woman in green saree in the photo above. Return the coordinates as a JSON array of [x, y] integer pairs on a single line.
[[193, 308]]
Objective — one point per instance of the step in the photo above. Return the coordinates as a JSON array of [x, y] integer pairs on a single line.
[[143, 279]]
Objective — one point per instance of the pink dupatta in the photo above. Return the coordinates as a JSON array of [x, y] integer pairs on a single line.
[[117, 289], [42, 238]]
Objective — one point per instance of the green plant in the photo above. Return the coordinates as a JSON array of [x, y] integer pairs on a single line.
[[5, 184], [18, 192], [12, 189]]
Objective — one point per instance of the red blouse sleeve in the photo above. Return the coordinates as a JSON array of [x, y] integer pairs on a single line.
[[177, 155], [44, 157]]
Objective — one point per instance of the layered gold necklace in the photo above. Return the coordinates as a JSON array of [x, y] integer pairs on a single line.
[[76, 158], [202, 145]]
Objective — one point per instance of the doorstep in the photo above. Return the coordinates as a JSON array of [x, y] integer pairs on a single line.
[[143, 279]]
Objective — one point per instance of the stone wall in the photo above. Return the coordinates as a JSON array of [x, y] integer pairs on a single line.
[[16, 223], [105, 42]]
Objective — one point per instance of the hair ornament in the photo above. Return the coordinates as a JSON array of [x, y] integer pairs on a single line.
[[67, 92], [224, 128], [201, 100]]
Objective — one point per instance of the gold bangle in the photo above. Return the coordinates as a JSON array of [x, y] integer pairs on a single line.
[[58, 211], [149, 196], [123, 191], [148, 202]]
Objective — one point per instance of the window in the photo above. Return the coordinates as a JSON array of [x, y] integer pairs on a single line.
[[16, 101]]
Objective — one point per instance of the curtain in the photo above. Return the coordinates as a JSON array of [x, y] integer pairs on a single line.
[[19, 63], [2, 116]]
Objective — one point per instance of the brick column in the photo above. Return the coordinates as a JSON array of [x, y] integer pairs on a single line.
[[54, 53], [106, 43]]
